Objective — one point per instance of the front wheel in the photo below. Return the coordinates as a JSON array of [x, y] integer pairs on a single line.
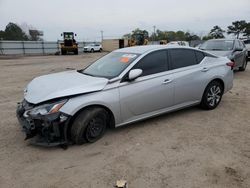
[[63, 52], [89, 125], [212, 95]]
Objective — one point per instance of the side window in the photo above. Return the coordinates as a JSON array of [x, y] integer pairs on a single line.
[[199, 56], [182, 58], [152, 63]]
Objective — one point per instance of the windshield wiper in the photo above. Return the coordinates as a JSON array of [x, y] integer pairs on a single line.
[[82, 72], [88, 74]]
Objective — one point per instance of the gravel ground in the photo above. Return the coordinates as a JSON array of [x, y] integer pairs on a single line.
[[189, 148]]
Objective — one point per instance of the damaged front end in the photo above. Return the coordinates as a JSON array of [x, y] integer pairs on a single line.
[[45, 124]]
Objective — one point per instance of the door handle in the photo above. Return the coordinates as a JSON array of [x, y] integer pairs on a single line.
[[167, 81], [204, 69]]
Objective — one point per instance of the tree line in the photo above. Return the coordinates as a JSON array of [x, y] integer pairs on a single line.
[[14, 32], [237, 29]]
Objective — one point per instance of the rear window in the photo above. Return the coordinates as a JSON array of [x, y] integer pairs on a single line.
[[217, 45]]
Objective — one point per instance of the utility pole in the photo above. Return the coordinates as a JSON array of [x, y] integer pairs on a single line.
[[102, 35], [154, 32]]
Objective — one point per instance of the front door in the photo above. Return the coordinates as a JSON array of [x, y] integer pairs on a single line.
[[152, 91]]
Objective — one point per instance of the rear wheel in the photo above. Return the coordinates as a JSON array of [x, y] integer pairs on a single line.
[[89, 125], [92, 50], [243, 67], [212, 95], [100, 50]]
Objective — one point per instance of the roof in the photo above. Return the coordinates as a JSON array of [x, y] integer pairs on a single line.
[[144, 49]]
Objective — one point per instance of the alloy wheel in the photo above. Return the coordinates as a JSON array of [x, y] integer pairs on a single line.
[[214, 95]]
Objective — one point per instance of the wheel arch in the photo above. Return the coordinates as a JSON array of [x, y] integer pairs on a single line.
[[220, 81], [202, 103], [111, 120], [215, 79]]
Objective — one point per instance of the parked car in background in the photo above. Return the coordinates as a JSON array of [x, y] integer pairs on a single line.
[[247, 44], [198, 46], [178, 43], [125, 86], [233, 49], [93, 48]]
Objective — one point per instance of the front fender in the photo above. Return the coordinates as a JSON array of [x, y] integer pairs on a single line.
[[108, 98]]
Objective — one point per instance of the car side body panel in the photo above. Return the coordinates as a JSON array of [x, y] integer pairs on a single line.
[[146, 94], [107, 97], [134, 101]]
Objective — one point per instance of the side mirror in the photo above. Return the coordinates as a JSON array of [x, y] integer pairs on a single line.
[[75, 34], [61, 34], [134, 73]]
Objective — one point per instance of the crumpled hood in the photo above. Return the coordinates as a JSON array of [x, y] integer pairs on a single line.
[[62, 84], [220, 53]]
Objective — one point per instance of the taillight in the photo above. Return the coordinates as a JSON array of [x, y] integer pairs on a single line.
[[231, 64]]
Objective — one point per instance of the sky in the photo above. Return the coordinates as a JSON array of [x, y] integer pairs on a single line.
[[118, 17]]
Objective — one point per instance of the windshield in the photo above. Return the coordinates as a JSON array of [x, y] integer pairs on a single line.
[[110, 65], [223, 45], [68, 36]]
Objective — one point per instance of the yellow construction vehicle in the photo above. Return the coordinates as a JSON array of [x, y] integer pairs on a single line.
[[69, 43], [138, 39], [163, 42]]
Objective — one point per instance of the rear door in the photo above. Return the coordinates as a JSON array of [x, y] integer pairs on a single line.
[[189, 76], [152, 91]]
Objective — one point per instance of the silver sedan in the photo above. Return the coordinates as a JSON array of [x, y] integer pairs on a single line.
[[125, 86]]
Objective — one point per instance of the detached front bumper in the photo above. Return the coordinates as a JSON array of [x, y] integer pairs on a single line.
[[45, 130]]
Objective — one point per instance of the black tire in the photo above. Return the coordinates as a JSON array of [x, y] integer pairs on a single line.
[[243, 67], [89, 125], [63, 52], [212, 95], [76, 52], [92, 50], [100, 50]]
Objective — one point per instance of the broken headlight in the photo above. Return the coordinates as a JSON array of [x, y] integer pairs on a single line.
[[48, 108]]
